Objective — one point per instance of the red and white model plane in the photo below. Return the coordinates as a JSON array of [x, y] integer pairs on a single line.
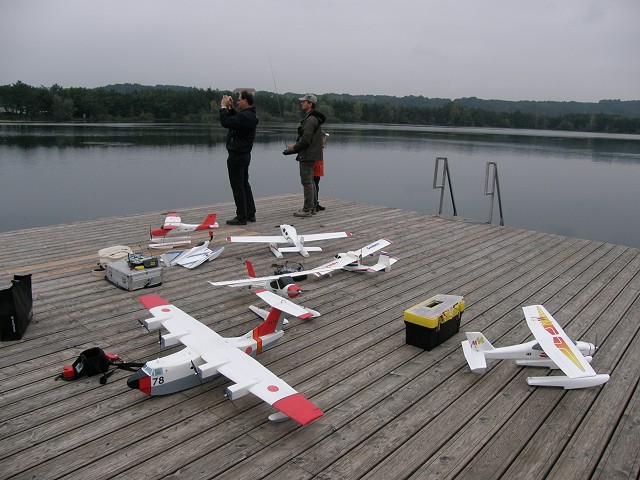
[[291, 237], [207, 354], [285, 286], [352, 261], [174, 233], [552, 348]]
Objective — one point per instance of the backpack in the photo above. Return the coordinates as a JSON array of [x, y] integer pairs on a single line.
[[95, 361]]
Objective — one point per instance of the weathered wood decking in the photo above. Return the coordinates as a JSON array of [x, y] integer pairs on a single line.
[[391, 410]]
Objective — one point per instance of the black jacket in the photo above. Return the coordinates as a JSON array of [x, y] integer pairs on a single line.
[[242, 128]]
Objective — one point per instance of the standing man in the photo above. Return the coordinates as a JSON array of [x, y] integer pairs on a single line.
[[242, 132], [308, 146]]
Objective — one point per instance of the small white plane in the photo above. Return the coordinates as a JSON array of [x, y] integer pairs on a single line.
[[551, 348], [174, 233], [207, 354], [290, 236], [192, 257], [352, 261], [285, 286]]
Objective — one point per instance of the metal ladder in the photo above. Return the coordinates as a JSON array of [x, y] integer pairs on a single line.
[[492, 168]]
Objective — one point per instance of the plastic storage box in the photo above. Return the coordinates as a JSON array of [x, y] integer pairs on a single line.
[[122, 275], [433, 321]]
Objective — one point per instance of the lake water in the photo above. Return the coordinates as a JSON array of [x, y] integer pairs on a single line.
[[580, 185]]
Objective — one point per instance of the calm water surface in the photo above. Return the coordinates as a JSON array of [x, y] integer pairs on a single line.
[[586, 186]]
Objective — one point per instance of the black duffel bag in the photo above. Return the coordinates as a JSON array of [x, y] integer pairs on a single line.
[[16, 310]]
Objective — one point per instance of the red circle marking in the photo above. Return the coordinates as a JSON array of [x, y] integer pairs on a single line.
[[273, 388], [248, 350], [166, 309]]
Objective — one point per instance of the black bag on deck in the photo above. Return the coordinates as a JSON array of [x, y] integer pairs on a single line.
[[16, 305]]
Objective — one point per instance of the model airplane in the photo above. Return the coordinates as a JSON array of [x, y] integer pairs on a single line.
[[174, 233], [207, 354], [552, 348], [192, 257], [282, 285], [285, 286], [290, 236], [352, 261]]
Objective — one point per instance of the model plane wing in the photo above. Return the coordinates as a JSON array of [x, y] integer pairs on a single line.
[[171, 221], [556, 343], [257, 239], [260, 281], [219, 356], [313, 237]]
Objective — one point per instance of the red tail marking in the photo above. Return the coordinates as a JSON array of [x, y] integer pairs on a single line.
[[208, 223], [250, 269], [270, 323]]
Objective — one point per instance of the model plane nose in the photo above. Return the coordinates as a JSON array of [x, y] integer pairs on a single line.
[[293, 291], [140, 381]]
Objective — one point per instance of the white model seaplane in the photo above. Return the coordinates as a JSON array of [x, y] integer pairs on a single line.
[[207, 354], [192, 257], [552, 348], [174, 233], [291, 237]]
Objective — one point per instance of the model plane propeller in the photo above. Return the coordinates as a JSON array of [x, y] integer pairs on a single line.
[[207, 354], [551, 348], [290, 236], [174, 233]]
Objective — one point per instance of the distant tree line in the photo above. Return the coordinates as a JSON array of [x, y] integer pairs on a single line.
[[164, 103]]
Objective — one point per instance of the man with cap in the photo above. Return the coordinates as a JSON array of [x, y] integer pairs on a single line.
[[308, 146]]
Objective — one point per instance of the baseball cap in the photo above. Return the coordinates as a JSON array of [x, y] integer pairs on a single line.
[[309, 97]]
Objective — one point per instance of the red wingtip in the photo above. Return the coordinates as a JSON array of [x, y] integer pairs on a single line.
[[304, 316], [348, 234], [299, 408], [228, 239], [153, 300], [260, 290]]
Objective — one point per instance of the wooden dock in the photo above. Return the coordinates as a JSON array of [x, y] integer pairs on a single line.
[[391, 410]]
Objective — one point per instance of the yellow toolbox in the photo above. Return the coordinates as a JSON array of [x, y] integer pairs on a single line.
[[433, 321]]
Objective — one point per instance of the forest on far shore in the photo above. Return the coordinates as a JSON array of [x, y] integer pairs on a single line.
[[166, 103]]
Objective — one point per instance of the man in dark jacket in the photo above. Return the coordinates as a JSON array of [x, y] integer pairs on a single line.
[[308, 146], [242, 132]]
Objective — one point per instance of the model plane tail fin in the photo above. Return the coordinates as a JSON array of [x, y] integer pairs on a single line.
[[474, 348], [208, 223], [250, 270]]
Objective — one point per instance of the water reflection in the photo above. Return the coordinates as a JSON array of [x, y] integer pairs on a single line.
[[576, 184]]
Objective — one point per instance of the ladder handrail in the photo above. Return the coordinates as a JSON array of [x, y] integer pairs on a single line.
[[495, 187], [446, 175]]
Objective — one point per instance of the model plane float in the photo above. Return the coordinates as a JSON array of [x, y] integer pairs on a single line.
[[207, 354], [551, 348], [290, 236], [192, 257], [174, 233]]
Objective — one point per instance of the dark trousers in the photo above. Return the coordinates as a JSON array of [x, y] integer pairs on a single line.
[[238, 166], [316, 181]]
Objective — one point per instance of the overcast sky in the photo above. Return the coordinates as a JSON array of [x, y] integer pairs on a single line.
[[582, 50]]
